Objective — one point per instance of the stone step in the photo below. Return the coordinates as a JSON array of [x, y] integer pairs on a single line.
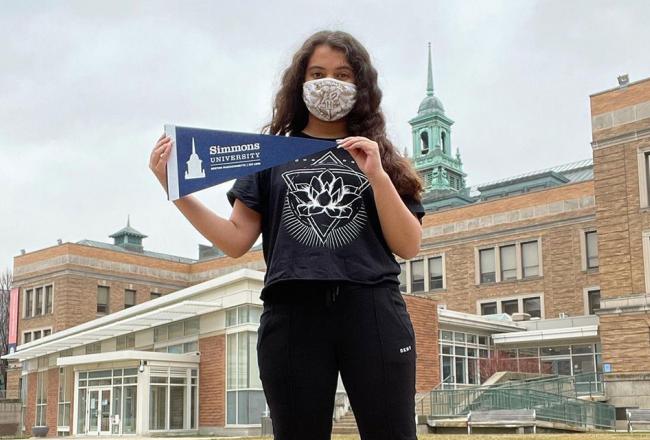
[[346, 424]]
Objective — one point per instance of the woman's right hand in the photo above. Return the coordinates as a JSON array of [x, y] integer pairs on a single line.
[[159, 157]]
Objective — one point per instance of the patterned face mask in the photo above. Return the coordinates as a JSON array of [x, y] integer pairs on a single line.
[[329, 99]]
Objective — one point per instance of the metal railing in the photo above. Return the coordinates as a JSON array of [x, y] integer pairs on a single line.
[[549, 406], [584, 384], [422, 400]]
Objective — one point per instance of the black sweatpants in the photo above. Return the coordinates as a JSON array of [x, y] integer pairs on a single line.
[[309, 332]]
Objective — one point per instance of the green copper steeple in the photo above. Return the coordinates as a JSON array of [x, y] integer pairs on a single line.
[[441, 170], [128, 238]]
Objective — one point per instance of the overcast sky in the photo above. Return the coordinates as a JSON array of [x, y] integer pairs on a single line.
[[85, 88]]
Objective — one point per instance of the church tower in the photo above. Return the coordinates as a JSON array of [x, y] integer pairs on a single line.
[[441, 170]]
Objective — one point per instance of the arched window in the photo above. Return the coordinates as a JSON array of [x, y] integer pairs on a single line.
[[424, 142], [443, 141]]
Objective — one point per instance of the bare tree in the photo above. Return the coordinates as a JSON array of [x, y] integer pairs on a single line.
[[6, 282]]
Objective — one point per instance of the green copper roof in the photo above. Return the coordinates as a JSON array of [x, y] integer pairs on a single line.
[[128, 230]]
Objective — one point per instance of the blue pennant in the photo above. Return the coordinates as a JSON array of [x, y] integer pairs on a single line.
[[202, 158]]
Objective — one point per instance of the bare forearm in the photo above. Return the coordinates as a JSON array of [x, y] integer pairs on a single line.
[[221, 232], [400, 227]]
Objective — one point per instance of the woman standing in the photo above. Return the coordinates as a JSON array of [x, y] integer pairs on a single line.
[[330, 224]]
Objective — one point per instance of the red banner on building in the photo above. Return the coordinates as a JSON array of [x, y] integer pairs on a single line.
[[13, 320]]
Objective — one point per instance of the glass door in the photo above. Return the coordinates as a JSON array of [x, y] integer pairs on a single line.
[[99, 411]]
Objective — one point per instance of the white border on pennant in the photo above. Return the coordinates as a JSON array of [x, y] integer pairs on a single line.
[[172, 165]]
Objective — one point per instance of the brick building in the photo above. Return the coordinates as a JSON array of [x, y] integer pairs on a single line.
[[544, 272]]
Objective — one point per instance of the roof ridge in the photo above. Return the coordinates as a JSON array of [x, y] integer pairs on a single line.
[[564, 167]]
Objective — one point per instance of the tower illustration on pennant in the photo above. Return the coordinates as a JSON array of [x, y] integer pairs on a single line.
[[194, 165]]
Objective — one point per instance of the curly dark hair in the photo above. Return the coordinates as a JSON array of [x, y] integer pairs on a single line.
[[366, 118]]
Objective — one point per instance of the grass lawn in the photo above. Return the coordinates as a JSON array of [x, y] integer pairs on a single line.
[[595, 436]]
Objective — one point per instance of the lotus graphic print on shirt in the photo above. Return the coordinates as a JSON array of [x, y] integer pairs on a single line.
[[323, 205]]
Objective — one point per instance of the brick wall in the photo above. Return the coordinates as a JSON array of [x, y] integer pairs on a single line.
[[212, 381], [619, 117], [13, 383], [619, 98], [30, 409], [75, 300], [562, 282], [424, 317], [52, 400], [625, 342]]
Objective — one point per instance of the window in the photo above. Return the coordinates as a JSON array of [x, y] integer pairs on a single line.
[[94, 348], [29, 302], [593, 301], [530, 259], [417, 276], [422, 274], [244, 395], [533, 307], [33, 335], [402, 277], [591, 249], [181, 336], [531, 304], [129, 298], [245, 314], [38, 309], [489, 308], [65, 396], [487, 264], [170, 392], [424, 142], [125, 342], [461, 357], [510, 306], [508, 262], [435, 273], [41, 398], [102, 299], [643, 159], [48, 299], [154, 295], [38, 301]]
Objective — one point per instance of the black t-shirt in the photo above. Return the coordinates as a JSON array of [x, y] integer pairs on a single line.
[[319, 221]]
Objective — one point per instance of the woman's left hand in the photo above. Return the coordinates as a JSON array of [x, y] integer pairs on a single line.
[[365, 153]]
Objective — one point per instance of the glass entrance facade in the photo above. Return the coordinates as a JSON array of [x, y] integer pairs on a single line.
[[173, 399], [106, 401]]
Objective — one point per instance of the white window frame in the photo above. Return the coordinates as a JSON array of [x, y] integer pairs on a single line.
[[43, 300], [108, 300], [477, 264], [520, 302], [497, 262], [643, 181], [32, 330], [585, 297], [645, 236], [427, 273], [135, 297], [68, 398], [236, 332], [125, 336], [583, 249]]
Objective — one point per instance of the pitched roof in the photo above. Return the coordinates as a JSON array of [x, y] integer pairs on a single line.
[[574, 171]]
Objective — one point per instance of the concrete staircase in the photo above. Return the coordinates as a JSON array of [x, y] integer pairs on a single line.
[[346, 424]]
